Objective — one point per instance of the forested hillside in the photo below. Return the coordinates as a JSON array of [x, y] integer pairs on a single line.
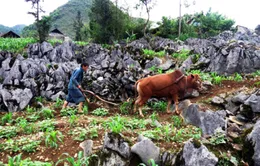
[[63, 17], [17, 29]]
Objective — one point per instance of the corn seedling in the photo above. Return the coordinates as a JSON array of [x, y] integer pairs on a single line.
[[52, 137], [79, 133], [238, 77], [68, 112], [100, 112], [73, 120], [125, 107], [8, 131], [45, 125], [176, 121], [182, 55], [7, 118], [159, 106], [116, 124], [80, 161], [58, 103], [30, 110], [47, 113], [85, 109]]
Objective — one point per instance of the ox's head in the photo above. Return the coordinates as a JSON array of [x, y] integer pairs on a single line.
[[194, 82]]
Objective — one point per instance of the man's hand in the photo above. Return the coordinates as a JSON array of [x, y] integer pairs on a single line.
[[80, 88]]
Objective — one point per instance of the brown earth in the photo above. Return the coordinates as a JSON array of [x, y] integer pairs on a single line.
[[71, 146]]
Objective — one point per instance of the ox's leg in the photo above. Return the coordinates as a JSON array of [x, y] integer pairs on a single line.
[[137, 103], [142, 102], [176, 102], [169, 105]]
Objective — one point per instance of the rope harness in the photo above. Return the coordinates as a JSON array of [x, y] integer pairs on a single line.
[[175, 82]]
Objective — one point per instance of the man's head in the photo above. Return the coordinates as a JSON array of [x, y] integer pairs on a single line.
[[84, 66]]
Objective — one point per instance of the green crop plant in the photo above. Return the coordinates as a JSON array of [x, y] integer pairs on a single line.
[[73, 120], [7, 118], [31, 146], [85, 109], [8, 131], [47, 113], [58, 103], [238, 77], [15, 45], [148, 53], [116, 124], [256, 73], [39, 99], [81, 43], [177, 122], [52, 137], [17, 161], [100, 112], [26, 127], [68, 112], [79, 133], [80, 161], [33, 117], [159, 106], [181, 55], [30, 110], [93, 132], [45, 125], [126, 107], [218, 138], [154, 118], [136, 123]]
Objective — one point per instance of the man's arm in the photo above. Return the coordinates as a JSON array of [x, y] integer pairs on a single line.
[[74, 80]]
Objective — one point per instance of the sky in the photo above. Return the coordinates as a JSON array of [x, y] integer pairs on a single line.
[[245, 13]]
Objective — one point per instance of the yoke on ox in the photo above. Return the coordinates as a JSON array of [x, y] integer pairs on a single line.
[[172, 86]]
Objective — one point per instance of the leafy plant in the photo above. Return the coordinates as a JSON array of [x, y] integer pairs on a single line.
[[39, 99], [218, 138], [73, 119], [116, 124], [7, 118], [8, 131], [238, 77], [125, 107], [100, 112], [47, 113], [85, 109], [159, 106], [30, 109], [153, 117], [176, 121], [58, 103], [45, 125], [79, 133], [81, 161], [68, 112], [181, 55], [31, 146], [26, 127], [17, 161], [52, 137]]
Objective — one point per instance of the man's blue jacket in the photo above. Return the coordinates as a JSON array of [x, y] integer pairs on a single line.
[[76, 78]]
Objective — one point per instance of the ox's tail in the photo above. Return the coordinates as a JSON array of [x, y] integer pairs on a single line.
[[136, 92]]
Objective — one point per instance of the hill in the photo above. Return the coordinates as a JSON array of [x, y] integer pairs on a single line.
[[17, 28]]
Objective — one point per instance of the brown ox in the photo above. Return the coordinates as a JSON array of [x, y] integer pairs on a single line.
[[171, 85]]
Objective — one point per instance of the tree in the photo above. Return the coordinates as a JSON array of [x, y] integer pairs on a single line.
[[78, 25], [187, 5], [107, 24], [37, 7], [43, 25], [148, 7]]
